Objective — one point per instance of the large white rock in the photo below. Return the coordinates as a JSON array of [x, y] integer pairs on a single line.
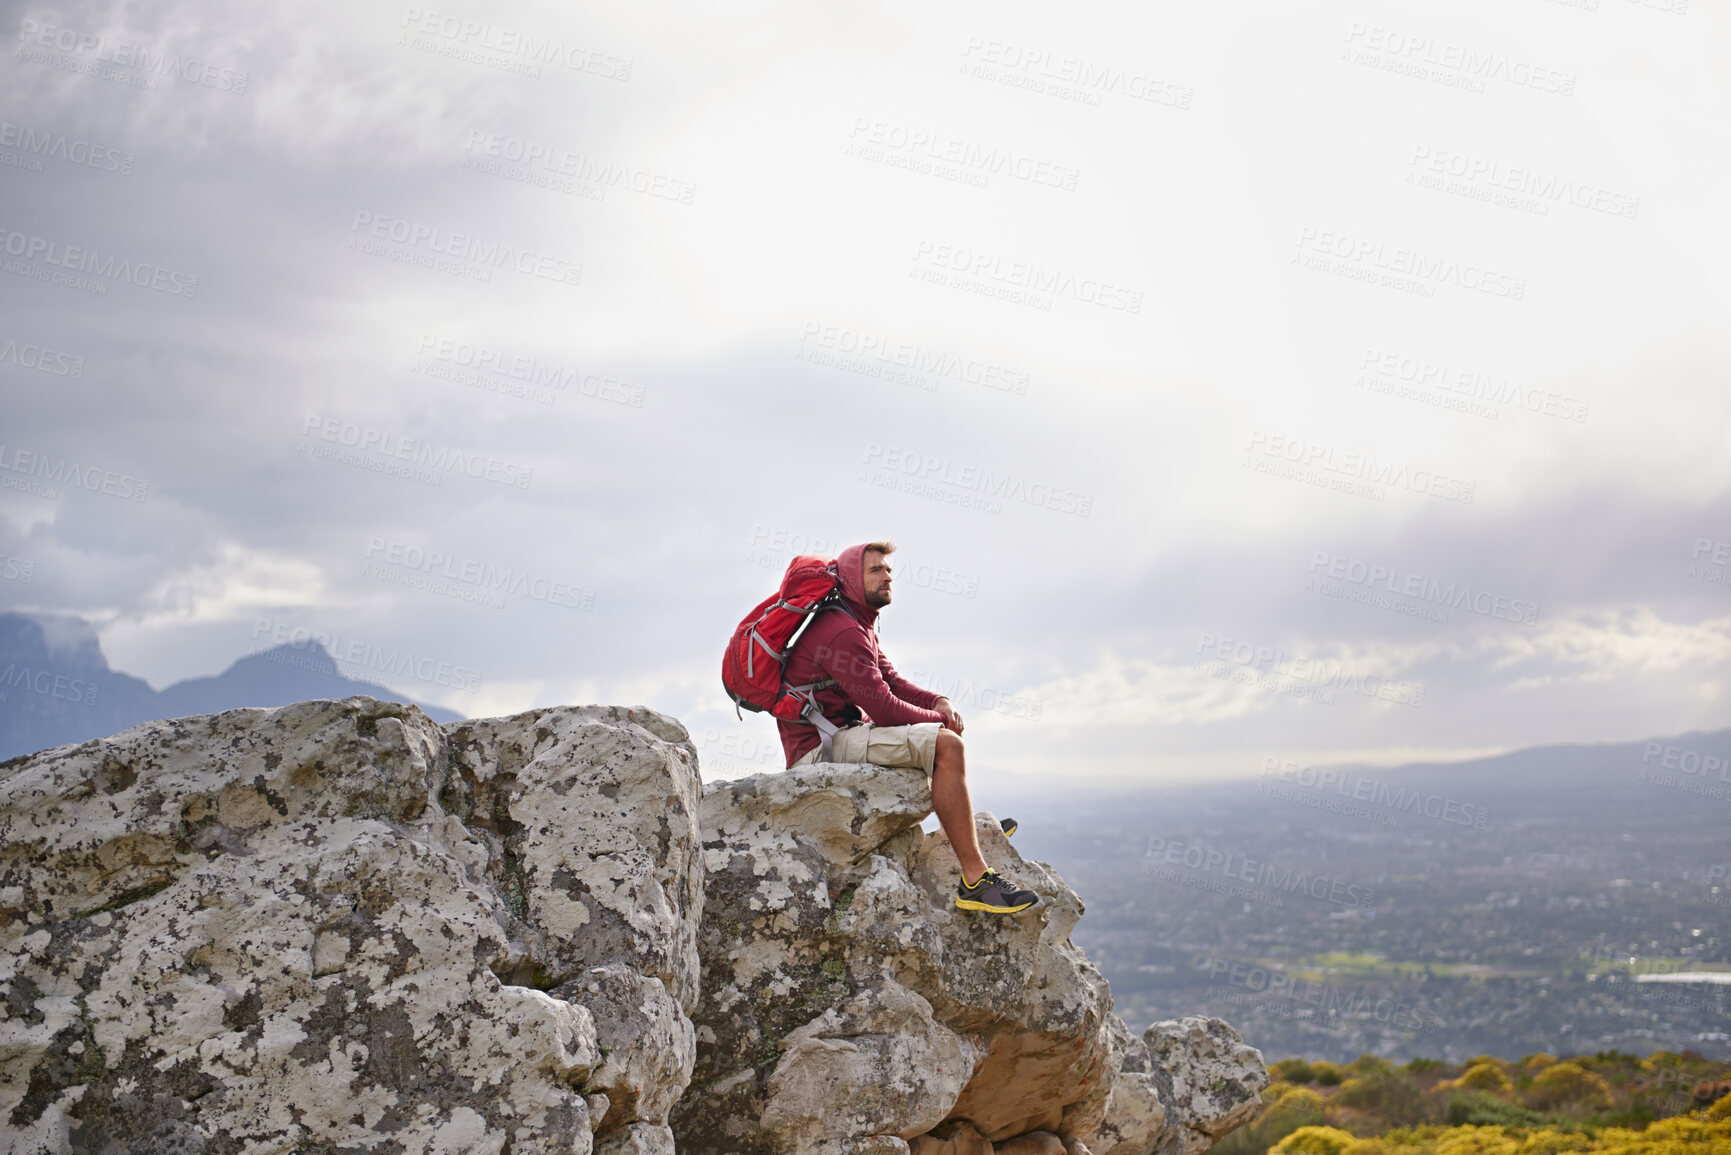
[[1215, 1079], [847, 1006], [591, 815], [262, 930], [1135, 1117], [335, 926]]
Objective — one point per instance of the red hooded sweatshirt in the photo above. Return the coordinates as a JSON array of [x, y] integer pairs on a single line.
[[843, 644]]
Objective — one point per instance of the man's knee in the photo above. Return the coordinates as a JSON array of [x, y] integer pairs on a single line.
[[950, 748]]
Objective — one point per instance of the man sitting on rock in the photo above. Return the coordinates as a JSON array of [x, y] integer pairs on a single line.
[[886, 720]]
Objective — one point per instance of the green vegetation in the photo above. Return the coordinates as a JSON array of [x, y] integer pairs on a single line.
[[1613, 1102], [1635, 965], [1337, 965]]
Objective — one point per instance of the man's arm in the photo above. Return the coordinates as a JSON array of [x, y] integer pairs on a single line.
[[918, 695], [904, 689], [850, 661]]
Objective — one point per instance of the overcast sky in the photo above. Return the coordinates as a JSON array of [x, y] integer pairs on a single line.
[[1326, 381]]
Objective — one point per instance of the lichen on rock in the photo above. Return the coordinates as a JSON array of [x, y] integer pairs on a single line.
[[848, 1006], [337, 926], [275, 930]]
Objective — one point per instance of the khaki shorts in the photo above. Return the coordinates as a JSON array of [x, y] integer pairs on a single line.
[[911, 746]]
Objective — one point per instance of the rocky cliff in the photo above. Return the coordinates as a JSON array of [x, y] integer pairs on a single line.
[[337, 926]]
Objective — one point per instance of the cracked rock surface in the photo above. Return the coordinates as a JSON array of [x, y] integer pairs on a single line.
[[848, 1006], [336, 926]]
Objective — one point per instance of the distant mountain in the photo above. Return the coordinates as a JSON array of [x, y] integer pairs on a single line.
[[1549, 899], [56, 686], [1697, 763]]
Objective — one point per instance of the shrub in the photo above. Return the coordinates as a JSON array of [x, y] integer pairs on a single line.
[[1298, 1107], [1569, 1085], [1293, 1071], [1367, 1147], [1368, 1064], [1425, 1066], [1533, 1064], [1298, 1103], [1556, 1142], [1386, 1093], [1314, 1141], [1720, 1110], [1485, 1077], [1477, 1109], [1326, 1074], [1477, 1141]]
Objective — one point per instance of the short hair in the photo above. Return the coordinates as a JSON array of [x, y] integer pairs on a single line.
[[885, 547]]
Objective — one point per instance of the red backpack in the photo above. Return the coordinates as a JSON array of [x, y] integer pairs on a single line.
[[752, 667]]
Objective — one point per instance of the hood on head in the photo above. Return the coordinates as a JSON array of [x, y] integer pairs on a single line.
[[850, 568]]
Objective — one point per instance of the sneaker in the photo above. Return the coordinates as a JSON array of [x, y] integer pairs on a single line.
[[993, 894], [1008, 825]]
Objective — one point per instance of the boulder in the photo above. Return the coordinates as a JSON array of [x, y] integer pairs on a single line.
[[1135, 1118], [1210, 1079], [339, 926], [847, 1005], [326, 925]]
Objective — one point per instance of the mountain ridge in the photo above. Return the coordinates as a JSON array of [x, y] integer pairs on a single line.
[[57, 688]]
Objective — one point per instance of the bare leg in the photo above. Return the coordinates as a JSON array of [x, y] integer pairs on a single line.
[[955, 809]]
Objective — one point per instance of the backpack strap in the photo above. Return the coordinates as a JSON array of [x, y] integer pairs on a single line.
[[826, 729]]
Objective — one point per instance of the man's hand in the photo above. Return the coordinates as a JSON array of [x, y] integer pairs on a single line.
[[952, 720]]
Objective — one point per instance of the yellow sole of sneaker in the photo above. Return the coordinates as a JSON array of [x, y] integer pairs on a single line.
[[971, 904]]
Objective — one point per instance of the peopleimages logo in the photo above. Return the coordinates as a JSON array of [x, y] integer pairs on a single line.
[[921, 149], [40, 358], [962, 692], [1680, 768], [1312, 461], [50, 472], [487, 577], [1716, 873], [942, 476], [395, 448], [1424, 55], [1331, 1001], [1685, 760], [861, 349], [1371, 576], [1283, 669], [48, 684], [1394, 369], [365, 657], [539, 380], [1070, 77], [33, 34], [1355, 787], [1716, 567], [1366, 259], [1024, 276], [578, 166], [523, 49], [90, 262], [46, 145], [1231, 866], [434, 242], [1524, 180]]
